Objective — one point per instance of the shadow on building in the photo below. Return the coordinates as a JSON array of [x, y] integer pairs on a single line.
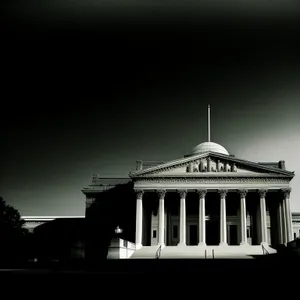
[[61, 241], [111, 208]]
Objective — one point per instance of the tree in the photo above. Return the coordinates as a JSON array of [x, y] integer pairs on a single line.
[[12, 234]]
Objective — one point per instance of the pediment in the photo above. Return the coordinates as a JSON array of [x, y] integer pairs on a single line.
[[211, 164]]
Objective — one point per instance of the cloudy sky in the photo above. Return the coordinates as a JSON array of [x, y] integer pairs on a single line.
[[92, 86]]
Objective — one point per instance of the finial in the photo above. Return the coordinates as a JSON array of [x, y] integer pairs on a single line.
[[208, 123]]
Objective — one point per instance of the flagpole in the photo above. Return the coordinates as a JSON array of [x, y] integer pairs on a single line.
[[208, 123]]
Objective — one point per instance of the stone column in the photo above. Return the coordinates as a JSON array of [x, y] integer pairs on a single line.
[[280, 223], [243, 216], [284, 222], [288, 216], [202, 228], [182, 225], [263, 216], [139, 219], [223, 229], [239, 236], [161, 217]]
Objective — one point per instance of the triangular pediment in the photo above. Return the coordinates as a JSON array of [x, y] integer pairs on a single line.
[[211, 164]]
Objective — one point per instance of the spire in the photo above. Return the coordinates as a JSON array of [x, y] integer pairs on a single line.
[[208, 123]]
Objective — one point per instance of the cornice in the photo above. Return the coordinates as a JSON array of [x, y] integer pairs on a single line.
[[210, 180], [218, 175]]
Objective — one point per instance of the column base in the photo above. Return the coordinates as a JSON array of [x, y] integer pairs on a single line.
[[161, 245], [265, 244], [202, 244], [138, 246], [223, 244], [181, 244], [244, 244]]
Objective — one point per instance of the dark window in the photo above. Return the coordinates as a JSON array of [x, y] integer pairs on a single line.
[[175, 231], [295, 235], [248, 232], [154, 234]]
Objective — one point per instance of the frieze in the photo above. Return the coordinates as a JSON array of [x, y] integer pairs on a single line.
[[206, 165], [229, 180]]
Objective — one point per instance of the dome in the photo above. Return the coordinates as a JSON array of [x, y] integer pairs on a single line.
[[209, 146]]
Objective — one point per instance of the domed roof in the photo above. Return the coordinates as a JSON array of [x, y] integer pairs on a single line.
[[209, 146]]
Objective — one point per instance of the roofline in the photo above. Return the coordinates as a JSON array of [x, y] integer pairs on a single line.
[[228, 157], [48, 218]]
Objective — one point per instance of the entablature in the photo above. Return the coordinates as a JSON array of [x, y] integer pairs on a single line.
[[211, 183]]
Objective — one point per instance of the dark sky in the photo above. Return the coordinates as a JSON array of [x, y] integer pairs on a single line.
[[92, 86]]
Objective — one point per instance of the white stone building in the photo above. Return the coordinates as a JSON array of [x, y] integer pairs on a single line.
[[208, 203]]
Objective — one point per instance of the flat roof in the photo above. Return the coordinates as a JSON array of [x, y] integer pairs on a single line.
[[49, 218]]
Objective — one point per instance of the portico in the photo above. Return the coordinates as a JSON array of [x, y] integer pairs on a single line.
[[208, 201], [212, 199], [282, 218]]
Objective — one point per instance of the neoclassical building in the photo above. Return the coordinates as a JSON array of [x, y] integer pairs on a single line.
[[208, 203]]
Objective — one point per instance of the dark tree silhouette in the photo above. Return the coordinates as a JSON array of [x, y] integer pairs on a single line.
[[13, 236]]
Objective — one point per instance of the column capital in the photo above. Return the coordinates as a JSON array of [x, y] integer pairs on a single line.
[[182, 193], [139, 193], [286, 192], [243, 193], [262, 193], [223, 192], [202, 193], [161, 193]]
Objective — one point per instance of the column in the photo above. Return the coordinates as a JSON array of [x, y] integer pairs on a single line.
[[263, 216], [139, 219], [239, 237], [161, 217], [288, 216], [223, 229], [280, 220], [243, 217], [202, 228], [284, 222], [182, 225]]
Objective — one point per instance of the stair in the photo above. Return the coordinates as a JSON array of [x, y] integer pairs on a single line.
[[202, 252], [146, 252]]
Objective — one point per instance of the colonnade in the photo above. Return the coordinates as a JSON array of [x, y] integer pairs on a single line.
[[283, 215]]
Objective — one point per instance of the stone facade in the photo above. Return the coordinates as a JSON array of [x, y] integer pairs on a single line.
[[207, 199]]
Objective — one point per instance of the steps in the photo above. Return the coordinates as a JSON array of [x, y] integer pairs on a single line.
[[201, 252], [146, 252]]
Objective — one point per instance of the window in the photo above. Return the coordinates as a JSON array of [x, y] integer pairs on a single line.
[[295, 235], [175, 231], [248, 232], [154, 234]]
